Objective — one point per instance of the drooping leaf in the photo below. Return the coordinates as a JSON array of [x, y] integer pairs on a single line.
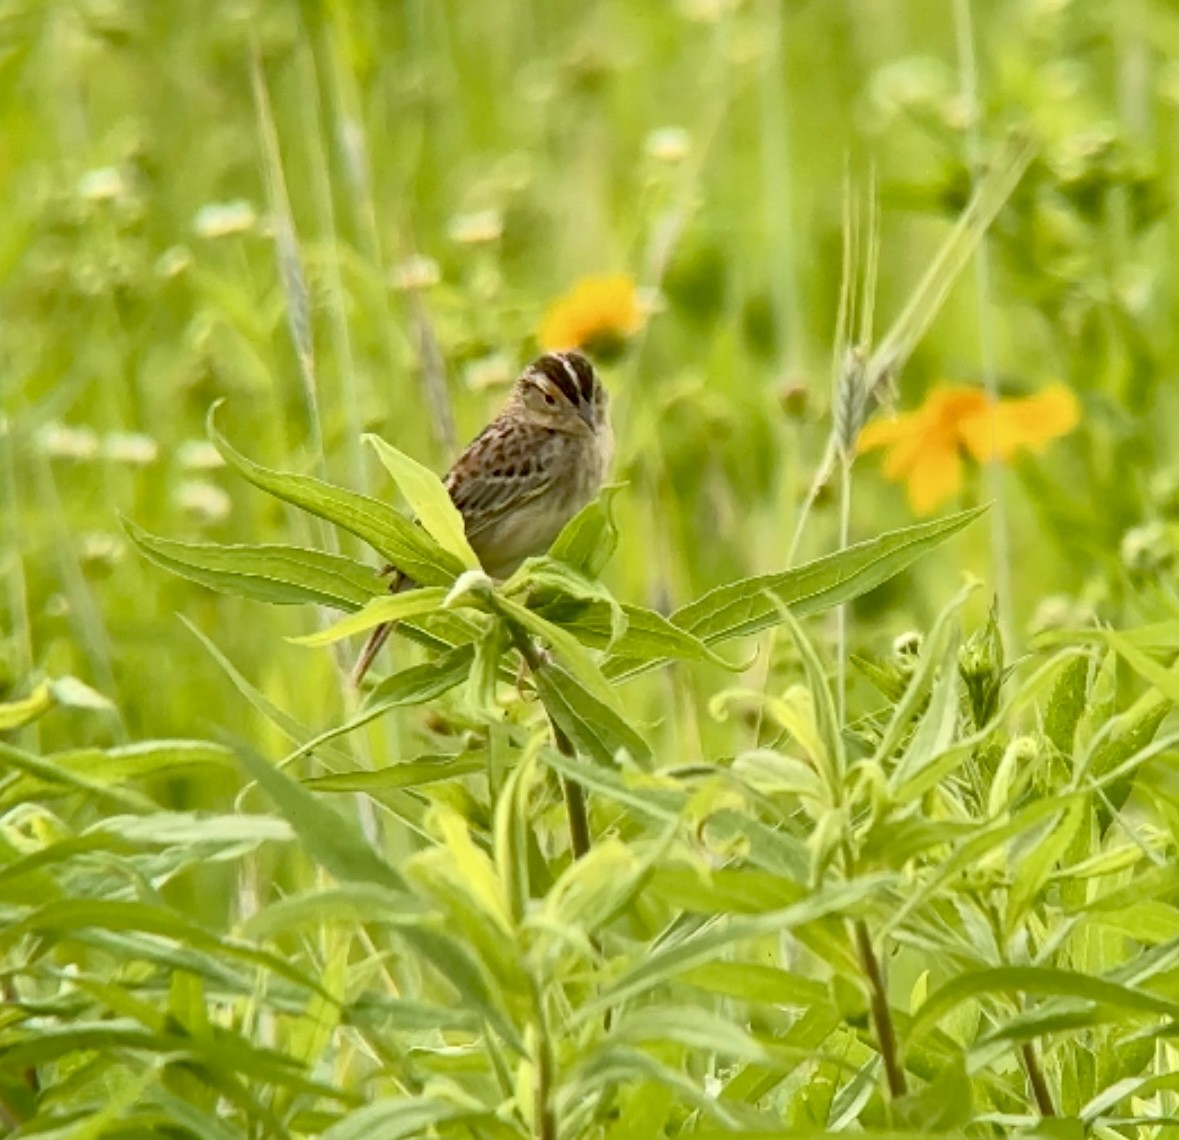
[[332, 842], [408, 547], [574, 656], [595, 728], [280, 575], [410, 774], [644, 635], [1042, 981], [543, 581], [413, 685]]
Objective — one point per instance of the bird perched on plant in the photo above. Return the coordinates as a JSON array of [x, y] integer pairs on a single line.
[[527, 473]]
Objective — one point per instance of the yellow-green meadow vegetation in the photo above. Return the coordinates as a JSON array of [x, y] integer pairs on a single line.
[[817, 779]]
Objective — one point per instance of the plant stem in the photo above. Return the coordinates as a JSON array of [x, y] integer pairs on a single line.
[[1000, 537], [845, 489], [575, 806], [886, 1036], [545, 1126], [1036, 1079]]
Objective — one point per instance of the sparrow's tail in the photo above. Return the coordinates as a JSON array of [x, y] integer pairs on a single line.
[[380, 634], [372, 647]]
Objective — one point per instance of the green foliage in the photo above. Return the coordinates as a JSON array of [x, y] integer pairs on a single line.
[[612, 849]]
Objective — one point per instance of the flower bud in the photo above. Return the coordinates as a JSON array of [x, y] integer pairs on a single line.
[[980, 665]]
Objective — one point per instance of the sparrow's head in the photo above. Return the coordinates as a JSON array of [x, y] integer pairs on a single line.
[[561, 390]]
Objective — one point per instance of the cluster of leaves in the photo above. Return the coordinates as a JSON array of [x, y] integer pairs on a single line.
[[922, 923]]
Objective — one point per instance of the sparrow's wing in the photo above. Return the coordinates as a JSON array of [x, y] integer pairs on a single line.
[[505, 468]]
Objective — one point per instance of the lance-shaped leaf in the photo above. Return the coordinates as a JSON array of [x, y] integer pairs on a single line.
[[412, 686], [14, 714], [1043, 981], [391, 534], [280, 575], [340, 849], [572, 653], [587, 610], [544, 581], [387, 608], [429, 501], [587, 540], [755, 604], [595, 728]]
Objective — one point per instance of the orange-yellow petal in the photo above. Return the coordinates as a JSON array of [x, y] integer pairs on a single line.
[[924, 446], [1030, 422], [605, 307], [881, 433], [935, 477]]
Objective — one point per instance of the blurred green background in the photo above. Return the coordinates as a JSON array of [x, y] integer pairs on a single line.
[[451, 168]]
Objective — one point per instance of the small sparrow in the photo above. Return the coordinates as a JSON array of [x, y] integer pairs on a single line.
[[527, 473]]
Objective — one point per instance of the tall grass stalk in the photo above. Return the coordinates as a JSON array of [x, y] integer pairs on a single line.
[[321, 184], [996, 483], [290, 265], [18, 592]]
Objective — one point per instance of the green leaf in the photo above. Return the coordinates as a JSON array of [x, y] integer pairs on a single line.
[[408, 1117], [408, 547], [1033, 868], [330, 840], [412, 686], [755, 604], [1042, 981], [945, 1102], [67, 918], [645, 635], [587, 540], [936, 729], [429, 501], [1067, 703], [411, 774], [696, 1028], [14, 714], [934, 656], [752, 605], [595, 728], [654, 799], [574, 657], [675, 957], [41, 776], [511, 834], [831, 758], [386, 608], [1165, 679], [71, 693], [540, 580], [356, 902], [280, 575]]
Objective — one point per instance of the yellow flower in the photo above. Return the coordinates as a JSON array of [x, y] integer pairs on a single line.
[[926, 446], [597, 314]]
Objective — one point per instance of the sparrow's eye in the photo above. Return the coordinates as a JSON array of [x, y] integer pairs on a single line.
[[549, 398]]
